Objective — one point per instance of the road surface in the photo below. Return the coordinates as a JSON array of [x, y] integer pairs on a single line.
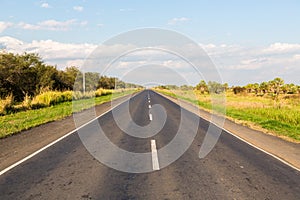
[[232, 170]]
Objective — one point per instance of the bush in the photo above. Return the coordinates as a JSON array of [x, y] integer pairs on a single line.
[[6, 105]]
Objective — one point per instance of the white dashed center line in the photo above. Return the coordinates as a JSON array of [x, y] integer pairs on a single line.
[[150, 116], [155, 164]]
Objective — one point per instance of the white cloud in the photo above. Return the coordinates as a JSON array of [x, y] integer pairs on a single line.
[[78, 8], [237, 64], [282, 48], [241, 65], [55, 53], [45, 5], [52, 25], [4, 25], [175, 21], [27, 26]]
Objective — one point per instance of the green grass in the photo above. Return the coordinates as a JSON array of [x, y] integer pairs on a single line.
[[17, 122], [280, 118]]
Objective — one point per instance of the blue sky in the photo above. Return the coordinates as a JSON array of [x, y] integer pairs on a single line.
[[244, 38]]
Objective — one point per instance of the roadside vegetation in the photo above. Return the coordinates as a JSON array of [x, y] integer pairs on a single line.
[[272, 107], [23, 120], [33, 93]]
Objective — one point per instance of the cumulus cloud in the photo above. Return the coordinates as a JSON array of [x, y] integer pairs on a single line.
[[4, 25], [78, 8], [237, 64], [241, 65], [52, 25], [55, 53], [175, 21]]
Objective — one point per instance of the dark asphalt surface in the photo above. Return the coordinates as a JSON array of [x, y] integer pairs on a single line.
[[232, 170]]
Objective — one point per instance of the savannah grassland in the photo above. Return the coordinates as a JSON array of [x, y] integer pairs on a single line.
[[280, 117]]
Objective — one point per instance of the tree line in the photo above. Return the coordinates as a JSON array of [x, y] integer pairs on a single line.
[[26, 74], [275, 87]]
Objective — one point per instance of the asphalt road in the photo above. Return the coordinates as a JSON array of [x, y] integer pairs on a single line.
[[232, 170]]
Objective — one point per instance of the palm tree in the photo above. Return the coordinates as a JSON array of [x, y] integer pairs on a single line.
[[276, 85], [264, 87]]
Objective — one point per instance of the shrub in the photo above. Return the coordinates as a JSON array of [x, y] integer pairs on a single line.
[[6, 105]]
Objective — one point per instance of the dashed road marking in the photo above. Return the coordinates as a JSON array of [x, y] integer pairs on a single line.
[[155, 164]]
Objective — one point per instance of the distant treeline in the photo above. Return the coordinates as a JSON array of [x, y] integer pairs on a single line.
[[26, 74], [275, 87]]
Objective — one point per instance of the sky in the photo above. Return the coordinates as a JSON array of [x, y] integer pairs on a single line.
[[248, 41]]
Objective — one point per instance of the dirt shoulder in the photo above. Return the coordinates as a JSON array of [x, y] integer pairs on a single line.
[[17, 147], [285, 150]]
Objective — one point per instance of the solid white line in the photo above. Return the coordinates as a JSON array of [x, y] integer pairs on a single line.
[[149, 106], [260, 149], [155, 164], [59, 139], [150, 116], [266, 152]]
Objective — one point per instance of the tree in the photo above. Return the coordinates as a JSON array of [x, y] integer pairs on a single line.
[[106, 82], [238, 89], [91, 81], [276, 85], [69, 76], [215, 87], [225, 86], [264, 87], [186, 87], [18, 74], [202, 87]]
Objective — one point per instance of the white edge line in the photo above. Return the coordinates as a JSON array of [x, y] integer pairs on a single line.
[[264, 151], [155, 163], [59, 139]]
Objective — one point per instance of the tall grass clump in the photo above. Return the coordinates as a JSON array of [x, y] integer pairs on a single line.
[[49, 98], [6, 105], [101, 92], [77, 95]]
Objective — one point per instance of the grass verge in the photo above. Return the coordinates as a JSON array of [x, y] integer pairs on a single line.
[[256, 112], [17, 122]]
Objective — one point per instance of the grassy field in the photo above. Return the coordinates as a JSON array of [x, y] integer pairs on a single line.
[[23, 120], [281, 118]]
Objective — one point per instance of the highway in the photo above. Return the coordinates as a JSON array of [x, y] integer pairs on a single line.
[[232, 170]]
